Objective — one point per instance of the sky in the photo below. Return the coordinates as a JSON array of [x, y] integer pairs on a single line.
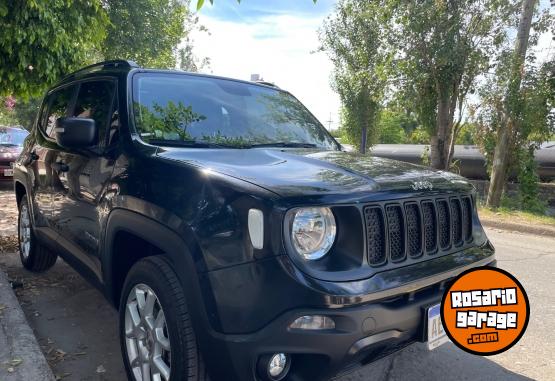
[[275, 39], [278, 40]]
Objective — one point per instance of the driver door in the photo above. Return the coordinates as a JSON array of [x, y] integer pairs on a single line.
[[84, 174]]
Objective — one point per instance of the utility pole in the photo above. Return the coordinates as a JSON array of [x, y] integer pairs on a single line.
[[330, 120]]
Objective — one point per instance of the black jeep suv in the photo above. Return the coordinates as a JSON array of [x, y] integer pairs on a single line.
[[236, 238]]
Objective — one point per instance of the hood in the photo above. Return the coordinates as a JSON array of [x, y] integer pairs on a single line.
[[291, 172]]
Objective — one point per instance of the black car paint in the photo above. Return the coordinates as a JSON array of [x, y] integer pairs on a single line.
[[193, 204]]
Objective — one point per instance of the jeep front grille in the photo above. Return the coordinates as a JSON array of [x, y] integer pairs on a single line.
[[413, 229]]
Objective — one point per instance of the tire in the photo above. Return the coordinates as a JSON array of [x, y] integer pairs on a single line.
[[34, 256], [149, 278]]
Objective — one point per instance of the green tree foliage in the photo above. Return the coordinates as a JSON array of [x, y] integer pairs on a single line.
[[166, 122], [7, 117], [395, 126], [188, 60], [22, 113], [442, 47], [43, 40], [522, 112], [200, 3], [146, 31], [353, 38], [534, 122], [466, 135], [419, 136]]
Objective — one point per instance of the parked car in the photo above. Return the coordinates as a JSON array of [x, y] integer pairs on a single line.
[[234, 236], [11, 144]]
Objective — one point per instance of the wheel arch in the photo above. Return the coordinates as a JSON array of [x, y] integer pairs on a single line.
[[158, 239], [20, 191], [183, 253]]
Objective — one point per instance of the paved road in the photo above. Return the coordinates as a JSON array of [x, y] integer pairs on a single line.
[[77, 329]]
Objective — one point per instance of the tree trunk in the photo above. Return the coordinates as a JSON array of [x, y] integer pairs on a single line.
[[499, 166], [440, 143], [363, 137], [456, 126], [364, 114], [507, 127]]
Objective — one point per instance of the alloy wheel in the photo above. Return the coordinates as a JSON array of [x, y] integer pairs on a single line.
[[146, 336], [24, 232]]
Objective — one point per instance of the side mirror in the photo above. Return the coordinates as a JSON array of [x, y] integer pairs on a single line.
[[76, 132]]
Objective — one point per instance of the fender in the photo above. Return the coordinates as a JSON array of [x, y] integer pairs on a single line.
[[175, 249], [179, 255]]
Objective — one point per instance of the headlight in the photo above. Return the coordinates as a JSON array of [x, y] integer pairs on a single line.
[[313, 232]]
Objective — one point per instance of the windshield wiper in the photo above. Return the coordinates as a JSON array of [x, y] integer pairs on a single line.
[[284, 144], [184, 143]]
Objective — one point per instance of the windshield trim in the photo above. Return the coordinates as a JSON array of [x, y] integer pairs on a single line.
[[146, 72]]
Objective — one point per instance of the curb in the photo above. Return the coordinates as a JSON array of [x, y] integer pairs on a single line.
[[21, 358], [542, 230]]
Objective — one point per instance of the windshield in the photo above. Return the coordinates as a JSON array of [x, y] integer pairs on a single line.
[[12, 137], [185, 108]]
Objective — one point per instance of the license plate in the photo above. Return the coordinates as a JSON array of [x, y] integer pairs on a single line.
[[8, 172], [436, 334]]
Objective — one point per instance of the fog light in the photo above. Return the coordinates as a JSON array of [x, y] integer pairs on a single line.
[[274, 367], [277, 364], [312, 322]]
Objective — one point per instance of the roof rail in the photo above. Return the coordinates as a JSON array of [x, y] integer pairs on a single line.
[[265, 83], [103, 65]]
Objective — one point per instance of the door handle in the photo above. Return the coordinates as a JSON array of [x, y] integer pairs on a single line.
[[60, 167]]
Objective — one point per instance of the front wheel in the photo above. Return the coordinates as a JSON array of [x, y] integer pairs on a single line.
[[156, 335], [34, 256]]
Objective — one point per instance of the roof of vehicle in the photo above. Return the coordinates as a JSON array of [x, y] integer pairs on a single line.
[[12, 128], [120, 66]]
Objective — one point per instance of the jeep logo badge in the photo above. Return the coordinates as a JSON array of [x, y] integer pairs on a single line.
[[421, 185]]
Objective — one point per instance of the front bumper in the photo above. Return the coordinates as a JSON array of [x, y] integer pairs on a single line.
[[368, 325], [363, 334]]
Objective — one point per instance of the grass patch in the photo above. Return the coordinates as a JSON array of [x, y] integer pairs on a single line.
[[515, 216]]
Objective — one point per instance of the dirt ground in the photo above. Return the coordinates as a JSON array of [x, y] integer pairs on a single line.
[[8, 211], [75, 327]]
